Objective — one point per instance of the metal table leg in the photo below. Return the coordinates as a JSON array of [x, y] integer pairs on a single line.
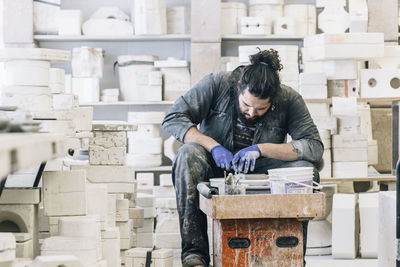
[[39, 174]]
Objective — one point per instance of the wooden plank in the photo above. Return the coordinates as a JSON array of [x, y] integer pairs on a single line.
[[369, 99], [264, 206]]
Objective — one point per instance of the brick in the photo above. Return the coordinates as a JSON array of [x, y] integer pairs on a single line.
[[168, 225], [145, 240], [145, 200], [170, 240], [148, 226], [164, 191], [350, 169], [349, 141], [136, 213]]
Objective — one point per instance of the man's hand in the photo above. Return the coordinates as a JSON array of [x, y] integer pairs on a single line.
[[222, 157], [246, 158]]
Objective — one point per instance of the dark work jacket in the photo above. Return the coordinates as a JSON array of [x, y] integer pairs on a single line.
[[211, 103]]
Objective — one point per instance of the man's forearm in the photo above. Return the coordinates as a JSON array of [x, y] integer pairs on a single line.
[[194, 135], [284, 152]]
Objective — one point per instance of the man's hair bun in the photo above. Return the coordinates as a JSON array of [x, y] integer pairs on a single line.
[[268, 58]]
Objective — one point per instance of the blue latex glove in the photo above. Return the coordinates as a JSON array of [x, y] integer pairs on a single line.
[[246, 158], [222, 157]]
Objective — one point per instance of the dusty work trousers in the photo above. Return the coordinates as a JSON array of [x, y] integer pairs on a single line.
[[192, 165]]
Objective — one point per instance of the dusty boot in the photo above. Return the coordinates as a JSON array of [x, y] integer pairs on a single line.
[[194, 260]]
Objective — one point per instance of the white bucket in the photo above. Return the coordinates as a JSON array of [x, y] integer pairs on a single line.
[[291, 180]]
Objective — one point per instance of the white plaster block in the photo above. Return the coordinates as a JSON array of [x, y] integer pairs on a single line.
[[87, 227], [45, 16], [383, 17], [206, 21], [343, 38], [121, 188], [150, 17], [314, 91], [349, 141], [64, 193], [16, 21], [369, 224], [349, 154], [111, 246], [70, 22], [344, 226], [166, 180], [358, 11], [87, 62], [56, 260], [326, 171], [20, 196], [168, 240], [176, 81], [387, 229], [149, 212], [97, 201], [231, 13], [7, 242], [328, 261], [145, 200], [111, 210], [285, 26], [318, 109], [350, 169], [169, 203], [136, 213], [138, 223], [144, 160], [109, 98], [349, 125], [372, 152], [380, 83], [145, 145], [83, 117], [99, 155], [318, 78], [254, 26], [26, 72], [125, 229], [343, 52], [145, 240], [32, 100], [84, 249], [87, 89], [164, 191], [122, 210], [178, 20], [267, 10], [391, 58], [145, 179], [148, 226], [199, 51], [63, 101], [107, 174], [58, 126], [168, 225], [145, 118]]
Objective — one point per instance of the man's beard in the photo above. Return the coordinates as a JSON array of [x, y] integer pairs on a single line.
[[242, 116]]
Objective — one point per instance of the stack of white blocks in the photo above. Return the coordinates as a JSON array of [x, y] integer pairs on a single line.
[[149, 17], [145, 145], [268, 10], [45, 16], [87, 69], [144, 235], [167, 233], [326, 171], [176, 77], [313, 85], [350, 155]]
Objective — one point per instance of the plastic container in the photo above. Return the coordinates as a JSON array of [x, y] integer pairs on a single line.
[[297, 180]]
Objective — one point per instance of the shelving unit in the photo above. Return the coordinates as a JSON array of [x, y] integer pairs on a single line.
[[133, 38]]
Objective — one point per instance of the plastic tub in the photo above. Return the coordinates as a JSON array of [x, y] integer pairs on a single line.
[[296, 180]]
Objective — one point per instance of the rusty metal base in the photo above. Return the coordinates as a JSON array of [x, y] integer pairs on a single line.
[[258, 242]]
